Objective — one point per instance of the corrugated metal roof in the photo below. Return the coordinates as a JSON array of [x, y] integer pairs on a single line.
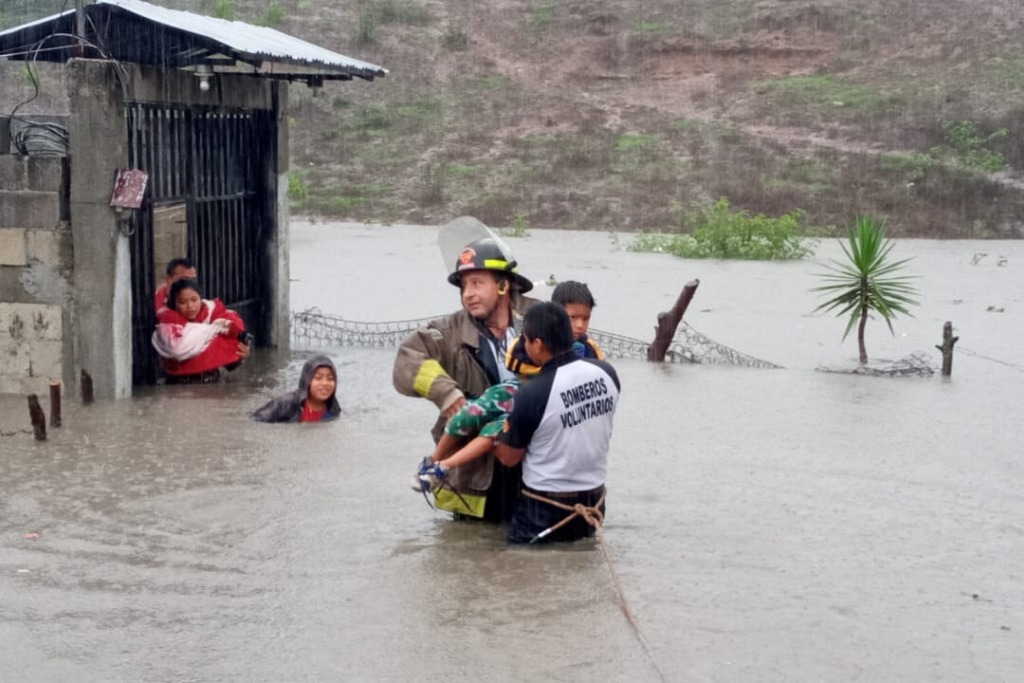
[[137, 31], [258, 41]]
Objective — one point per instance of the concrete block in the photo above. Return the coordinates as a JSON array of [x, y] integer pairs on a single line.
[[28, 324], [17, 388], [40, 174], [29, 209], [14, 360], [44, 359], [13, 247], [12, 170], [33, 284], [45, 174], [45, 246], [40, 359]]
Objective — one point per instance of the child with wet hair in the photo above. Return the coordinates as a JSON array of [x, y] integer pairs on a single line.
[[313, 401], [578, 302]]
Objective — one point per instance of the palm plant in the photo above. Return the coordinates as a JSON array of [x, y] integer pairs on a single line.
[[869, 281]]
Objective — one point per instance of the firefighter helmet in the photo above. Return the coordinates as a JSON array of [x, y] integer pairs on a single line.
[[485, 254]]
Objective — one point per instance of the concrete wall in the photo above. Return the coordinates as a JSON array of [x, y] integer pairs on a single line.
[[102, 272], [102, 283], [278, 249], [65, 285], [35, 272]]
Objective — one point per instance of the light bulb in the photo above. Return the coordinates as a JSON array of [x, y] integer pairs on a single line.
[[204, 83]]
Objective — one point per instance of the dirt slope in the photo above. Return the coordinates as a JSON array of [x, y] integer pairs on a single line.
[[615, 114]]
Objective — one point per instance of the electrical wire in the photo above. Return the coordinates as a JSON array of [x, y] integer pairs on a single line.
[[52, 139]]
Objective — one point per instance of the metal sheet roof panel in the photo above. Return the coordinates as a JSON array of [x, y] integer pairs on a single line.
[[255, 41]]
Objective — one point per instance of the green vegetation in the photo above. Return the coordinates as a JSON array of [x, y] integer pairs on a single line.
[[273, 16], [647, 26], [914, 167], [297, 190], [719, 231], [223, 9], [520, 226], [726, 19], [828, 92], [376, 13], [340, 201], [632, 141], [541, 13], [17, 12], [969, 147], [1007, 72], [868, 283], [455, 39]]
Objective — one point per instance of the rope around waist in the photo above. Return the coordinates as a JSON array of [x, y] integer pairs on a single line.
[[591, 514]]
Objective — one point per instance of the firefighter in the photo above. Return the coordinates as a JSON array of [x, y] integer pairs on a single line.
[[459, 356]]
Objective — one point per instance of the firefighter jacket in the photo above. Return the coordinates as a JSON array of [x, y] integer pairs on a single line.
[[447, 360]]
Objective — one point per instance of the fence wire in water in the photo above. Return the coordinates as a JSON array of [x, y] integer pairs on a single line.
[[312, 327]]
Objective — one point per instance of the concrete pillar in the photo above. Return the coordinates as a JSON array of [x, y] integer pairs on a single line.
[[102, 276], [279, 327]]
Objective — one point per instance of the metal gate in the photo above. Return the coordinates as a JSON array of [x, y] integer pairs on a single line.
[[219, 165]]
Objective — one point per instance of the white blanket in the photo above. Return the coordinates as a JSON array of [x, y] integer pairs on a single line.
[[181, 342]]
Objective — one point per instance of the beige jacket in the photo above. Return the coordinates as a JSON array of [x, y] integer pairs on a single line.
[[445, 361]]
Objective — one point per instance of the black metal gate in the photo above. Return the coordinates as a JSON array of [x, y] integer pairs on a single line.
[[218, 163]]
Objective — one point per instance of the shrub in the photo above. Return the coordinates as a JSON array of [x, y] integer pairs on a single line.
[[719, 231], [273, 17], [969, 147], [520, 226], [223, 9], [297, 190], [455, 39]]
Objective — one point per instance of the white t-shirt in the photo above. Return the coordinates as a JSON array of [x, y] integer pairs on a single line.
[[563, 418]]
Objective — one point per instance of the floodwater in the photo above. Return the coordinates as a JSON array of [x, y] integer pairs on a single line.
[[763, 525]]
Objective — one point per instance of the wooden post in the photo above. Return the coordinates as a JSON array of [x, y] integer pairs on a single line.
[[86, 388], [665, 330], [948, 340], [35, 414], [55, 403]]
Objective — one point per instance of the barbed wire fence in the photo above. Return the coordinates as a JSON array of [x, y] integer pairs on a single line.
[[313, 327]]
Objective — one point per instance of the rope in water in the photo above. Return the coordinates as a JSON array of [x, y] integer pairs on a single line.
[[989, 358], [595, 518]]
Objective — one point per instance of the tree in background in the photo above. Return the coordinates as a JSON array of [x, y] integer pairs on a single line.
[[869, 281]]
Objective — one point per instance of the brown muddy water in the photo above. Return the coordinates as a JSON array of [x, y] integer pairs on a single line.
[[764, 525]]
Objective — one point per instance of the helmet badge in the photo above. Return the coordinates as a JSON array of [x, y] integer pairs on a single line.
[[467, 256]]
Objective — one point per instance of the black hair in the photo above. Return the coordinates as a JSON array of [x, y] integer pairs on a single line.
[[178, 263], [572, 292], [550, 323], [175, 290]]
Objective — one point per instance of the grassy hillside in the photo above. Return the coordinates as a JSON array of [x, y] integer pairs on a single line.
[[619, 114]]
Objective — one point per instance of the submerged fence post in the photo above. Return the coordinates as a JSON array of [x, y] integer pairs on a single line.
[[665, 330], [948, 340], [86, 388], [38, 418], [55, 403]]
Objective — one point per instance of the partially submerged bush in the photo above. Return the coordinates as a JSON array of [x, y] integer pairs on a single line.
[[719, 231]]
